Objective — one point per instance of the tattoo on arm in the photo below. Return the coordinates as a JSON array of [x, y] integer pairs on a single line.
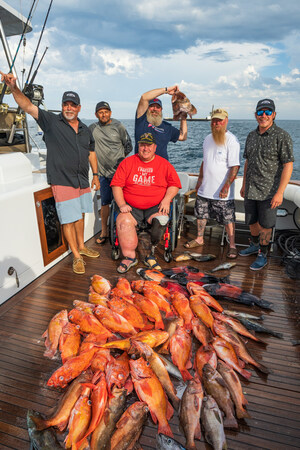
[[231, 177]]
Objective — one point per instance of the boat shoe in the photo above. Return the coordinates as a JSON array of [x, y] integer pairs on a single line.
[[251, 250], [78, 265], [89, 252], [260, 262]]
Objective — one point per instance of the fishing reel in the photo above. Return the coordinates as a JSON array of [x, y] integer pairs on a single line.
[[35, 93]]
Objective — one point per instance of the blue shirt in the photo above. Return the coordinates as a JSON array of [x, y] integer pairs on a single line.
[[162, 134]]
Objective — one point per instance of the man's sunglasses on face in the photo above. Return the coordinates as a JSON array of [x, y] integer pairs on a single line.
[[267, 112]]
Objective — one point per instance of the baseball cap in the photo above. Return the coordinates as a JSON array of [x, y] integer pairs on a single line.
[[265, 103], [147, 138], [102, 105], [219, 114], [155, 101], [70, 96]]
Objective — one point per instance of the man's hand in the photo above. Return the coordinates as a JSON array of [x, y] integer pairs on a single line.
[[173, 89], [95, 183], [224, 192], [276, 200], [125, 208], [242, 191], [164, 207], [8, 79]]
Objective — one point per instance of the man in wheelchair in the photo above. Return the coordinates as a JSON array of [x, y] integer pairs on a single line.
[[143, 186]]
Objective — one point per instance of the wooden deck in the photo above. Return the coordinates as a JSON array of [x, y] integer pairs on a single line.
[[274, 401]]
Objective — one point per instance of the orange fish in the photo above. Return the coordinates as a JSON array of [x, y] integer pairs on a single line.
[[114, 321], [137, 286], [155, 296], [61, 416], [149, 390], [84, 306], [201, 331], [124, 286], [236, 325], [154, 338], [101, 285], [202, 311], [181, 349], [117, 373], [92, 340], [128, 311], [171, 326], [100, 360], [150, 309], [69, 341], [195, 289], [53, 332], [71, 369], [204, 355], [115, 292], [182, 306], [235, 388], [151, 274], [99, 399], [88, 323], [97, 299], [79, 419], [157, 287], [226, 352]]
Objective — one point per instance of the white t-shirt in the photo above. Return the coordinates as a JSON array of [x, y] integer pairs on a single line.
[[217, 161]]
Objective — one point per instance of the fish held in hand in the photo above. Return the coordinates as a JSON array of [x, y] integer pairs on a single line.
[[182, 106], [190, 411], [211, 419]]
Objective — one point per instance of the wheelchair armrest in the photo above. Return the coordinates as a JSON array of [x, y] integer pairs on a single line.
[[188, 194]]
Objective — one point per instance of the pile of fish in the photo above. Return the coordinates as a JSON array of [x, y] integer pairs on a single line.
[[107, 344]]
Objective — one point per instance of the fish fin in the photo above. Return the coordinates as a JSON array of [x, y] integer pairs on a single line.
[[241, 363], [165, 429], [153, 416], [129, 386], [230, 422], [198, 432], [170, 410], [186, 375], [241, 413], [263, 368], [159, 325], [246, 374], [171, 315]]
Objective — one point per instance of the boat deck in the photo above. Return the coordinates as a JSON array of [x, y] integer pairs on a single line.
[[274, 400]]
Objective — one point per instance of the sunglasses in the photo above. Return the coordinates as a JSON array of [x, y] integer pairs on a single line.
[[267, 112]]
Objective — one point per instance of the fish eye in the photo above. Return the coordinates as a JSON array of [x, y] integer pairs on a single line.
[[120, 376], [61, 378]]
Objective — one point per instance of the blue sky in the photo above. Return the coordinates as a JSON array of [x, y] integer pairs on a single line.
[[226, 53]]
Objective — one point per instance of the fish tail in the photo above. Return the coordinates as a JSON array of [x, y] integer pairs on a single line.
[[230, 422], [242, 413], [159, 325], [246, 374], [165, 429], [40, 424], [263, 368]]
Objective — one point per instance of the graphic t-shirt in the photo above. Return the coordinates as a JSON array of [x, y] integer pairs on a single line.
[[145, 184]]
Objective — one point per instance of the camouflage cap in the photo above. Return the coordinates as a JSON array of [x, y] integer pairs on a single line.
[[219, 114], [147, 138]]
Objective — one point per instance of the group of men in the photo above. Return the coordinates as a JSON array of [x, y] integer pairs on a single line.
[[144, 185]]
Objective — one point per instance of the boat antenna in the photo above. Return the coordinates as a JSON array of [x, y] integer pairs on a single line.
[[18, 48], [39, 41]]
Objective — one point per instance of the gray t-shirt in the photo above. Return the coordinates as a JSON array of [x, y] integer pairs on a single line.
[[112, 144], [266, 154]]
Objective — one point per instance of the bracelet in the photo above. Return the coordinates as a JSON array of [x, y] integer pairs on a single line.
[[95, 174]]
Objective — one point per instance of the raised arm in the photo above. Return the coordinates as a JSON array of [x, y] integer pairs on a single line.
[[24, 102], [150, 95], [183, 130]]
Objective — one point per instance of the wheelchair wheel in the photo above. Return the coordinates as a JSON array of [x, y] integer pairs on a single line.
[[174, 225], [168, 256], [115, 253]]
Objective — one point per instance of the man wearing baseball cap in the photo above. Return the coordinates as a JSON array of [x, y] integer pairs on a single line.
[[215, 186], [149, 118], [112, 145], [70, 151], [268, 169], [143, 186]]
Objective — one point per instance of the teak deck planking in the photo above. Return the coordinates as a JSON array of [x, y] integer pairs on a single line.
[[274, 400]]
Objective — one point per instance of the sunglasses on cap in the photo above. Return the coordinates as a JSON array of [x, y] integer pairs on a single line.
[[267, 112]]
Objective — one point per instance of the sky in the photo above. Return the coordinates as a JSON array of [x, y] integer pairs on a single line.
[[228, 53]]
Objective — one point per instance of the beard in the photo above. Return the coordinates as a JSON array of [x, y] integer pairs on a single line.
[[219, 135], [69, 115], [154, 120]]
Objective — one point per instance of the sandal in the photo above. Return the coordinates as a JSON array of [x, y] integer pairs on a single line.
[[133, 263], [150, 261], [101, 240], [232, 253], [192, 244]]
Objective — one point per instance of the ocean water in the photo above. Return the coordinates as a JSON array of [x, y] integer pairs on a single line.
[[187, 156]]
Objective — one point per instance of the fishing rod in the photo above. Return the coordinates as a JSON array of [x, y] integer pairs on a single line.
[[18, 48]]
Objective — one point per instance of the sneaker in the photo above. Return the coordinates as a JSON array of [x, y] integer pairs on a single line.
[[78, 265], [251, 250], [89, 252], [260, 262]]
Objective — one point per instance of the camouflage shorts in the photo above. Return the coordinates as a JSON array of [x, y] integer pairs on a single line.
[[223, 211]]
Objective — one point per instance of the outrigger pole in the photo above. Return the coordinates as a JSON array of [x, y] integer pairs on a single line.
[[17, 51]]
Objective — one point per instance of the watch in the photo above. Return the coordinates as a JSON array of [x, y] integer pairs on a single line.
[[95, 174], [166, 90]]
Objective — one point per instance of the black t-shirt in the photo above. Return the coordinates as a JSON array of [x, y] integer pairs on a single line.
[[67, 151]]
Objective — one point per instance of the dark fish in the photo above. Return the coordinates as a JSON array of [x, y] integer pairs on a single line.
[[240, 315], [129, 427], [41, 440], [164, 442], [230, 292], [188, 273], [190, 411], [182, 106], [211, 419], [259, 328]]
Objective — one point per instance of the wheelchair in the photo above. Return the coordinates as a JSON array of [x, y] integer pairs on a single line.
[[170, 236]]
